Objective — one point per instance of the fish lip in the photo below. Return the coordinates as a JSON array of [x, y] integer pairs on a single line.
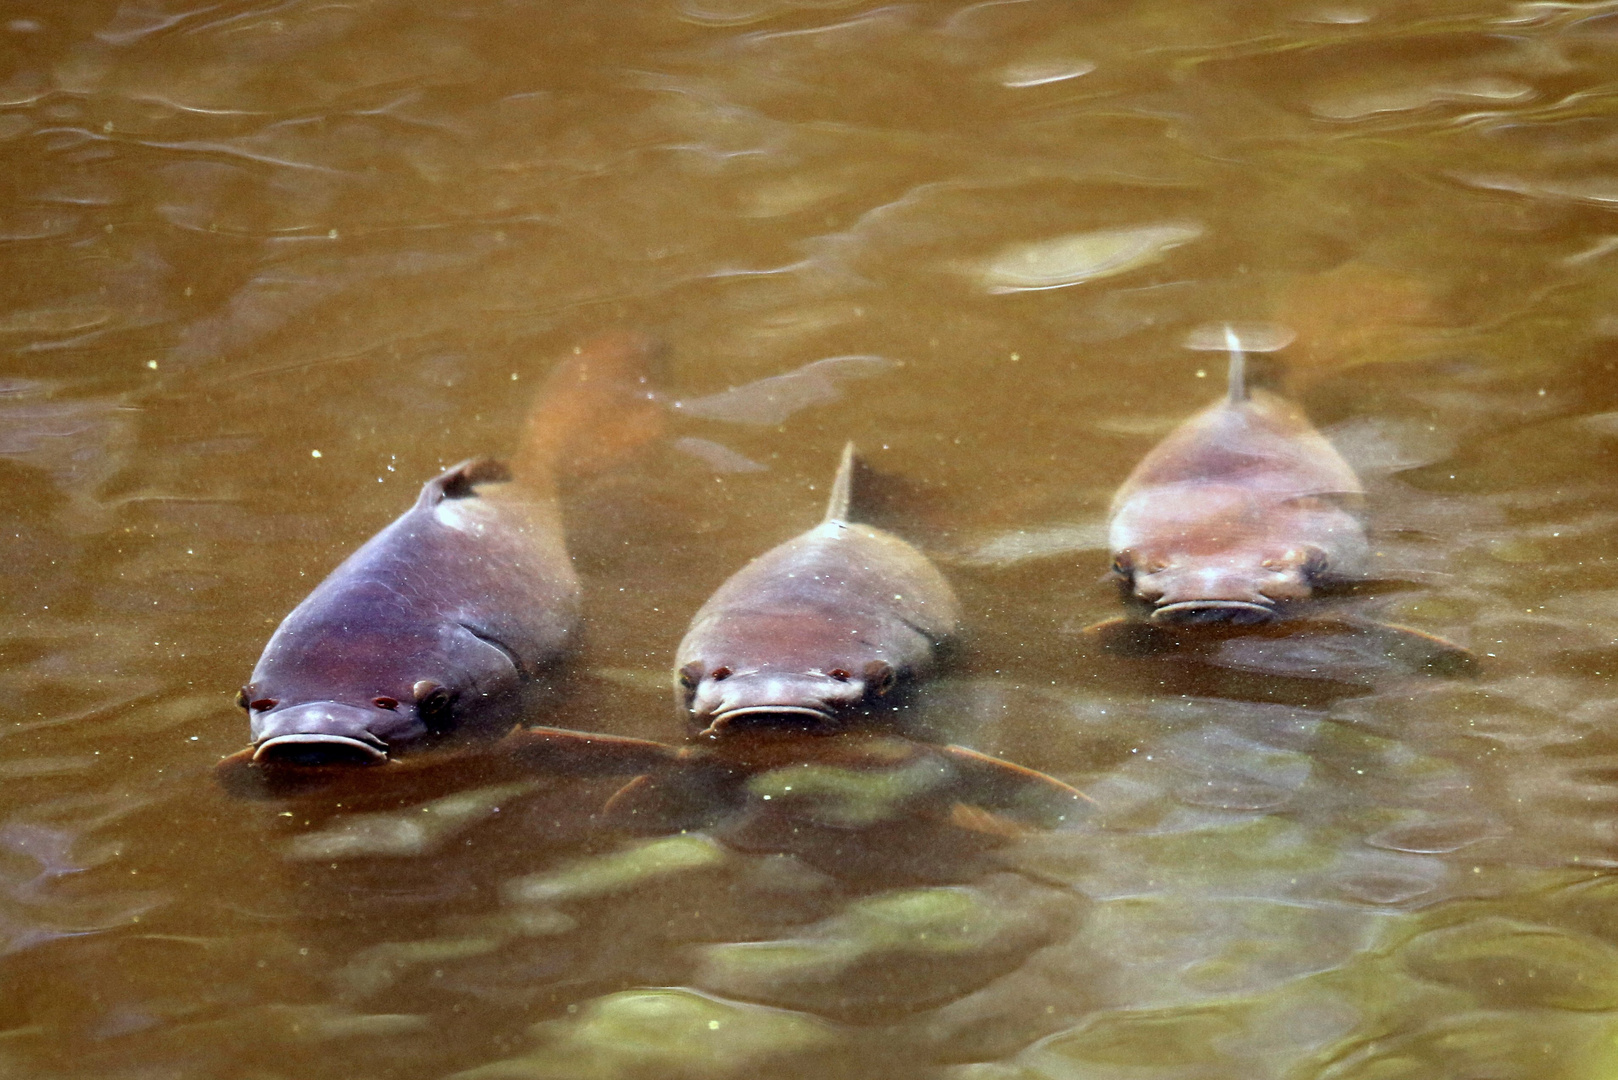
[[722, 720], [375, 753], [1238, 612]]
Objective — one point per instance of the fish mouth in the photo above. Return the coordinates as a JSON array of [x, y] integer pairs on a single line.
[[721, 722], [315, 748], [1213, 613]]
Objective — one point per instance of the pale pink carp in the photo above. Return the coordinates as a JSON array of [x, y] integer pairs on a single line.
[[1243, 511]]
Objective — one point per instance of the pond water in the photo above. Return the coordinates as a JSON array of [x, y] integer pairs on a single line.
[[268, 266]]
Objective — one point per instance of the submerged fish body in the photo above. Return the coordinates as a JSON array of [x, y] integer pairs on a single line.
[[447, 618], [853, 779], [1241, 511], [819, 628]]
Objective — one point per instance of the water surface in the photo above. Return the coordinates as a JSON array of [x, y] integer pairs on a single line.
[[269, 266]]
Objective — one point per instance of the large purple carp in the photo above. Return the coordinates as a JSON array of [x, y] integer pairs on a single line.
[[827, 626], [1243, 510], [449, 619]]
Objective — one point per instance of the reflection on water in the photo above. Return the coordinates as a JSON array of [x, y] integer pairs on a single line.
[[273, 265]]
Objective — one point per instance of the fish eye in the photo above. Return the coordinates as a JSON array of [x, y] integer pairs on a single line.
[[690, 675], [429, 695], [432, 701], [879, 677], [1121, 564], [385, 702], [241, 698], [719, 674], [264, 704], [839, 674], [1315, 561]]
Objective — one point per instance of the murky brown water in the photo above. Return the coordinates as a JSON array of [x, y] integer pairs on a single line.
[[268, 266]]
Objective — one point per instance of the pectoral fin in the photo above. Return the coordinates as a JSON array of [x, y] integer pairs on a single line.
[[1417, 649], [243, 778], [685, 791], [978, 820], [238, 775], [624, 802], [1365, 648], [1346, 648], [990, 781], [559, 751]]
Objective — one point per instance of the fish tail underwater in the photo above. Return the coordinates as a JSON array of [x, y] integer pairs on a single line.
[[597, 407]]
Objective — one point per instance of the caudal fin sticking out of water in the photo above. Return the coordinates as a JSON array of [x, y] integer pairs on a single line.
[[596, 409]]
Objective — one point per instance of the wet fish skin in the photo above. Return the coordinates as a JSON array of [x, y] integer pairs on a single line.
[[817, 630], [437, 622], [448, 618], [1242, 511]]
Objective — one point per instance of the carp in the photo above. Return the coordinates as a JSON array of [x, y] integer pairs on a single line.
[[828, 625], [1241, 512], [449, 619]]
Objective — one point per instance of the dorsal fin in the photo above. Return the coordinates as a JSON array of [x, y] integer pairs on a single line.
[[842, 488], [458, 481], [1237, 379]]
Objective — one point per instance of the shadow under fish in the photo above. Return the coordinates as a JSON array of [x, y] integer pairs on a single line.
[[1245, 517], [521, 754], [451, 619]]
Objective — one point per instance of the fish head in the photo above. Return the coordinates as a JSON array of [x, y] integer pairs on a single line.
[[719, 697], [334, 732], [1236, 588], [329, 692]]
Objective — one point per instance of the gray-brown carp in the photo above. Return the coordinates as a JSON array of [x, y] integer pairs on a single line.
[[1243, 510], [449, 618], [817, 630]]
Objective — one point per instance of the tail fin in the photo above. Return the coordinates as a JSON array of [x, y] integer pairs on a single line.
[[1237, 389], [595, 409], [842, 488]]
